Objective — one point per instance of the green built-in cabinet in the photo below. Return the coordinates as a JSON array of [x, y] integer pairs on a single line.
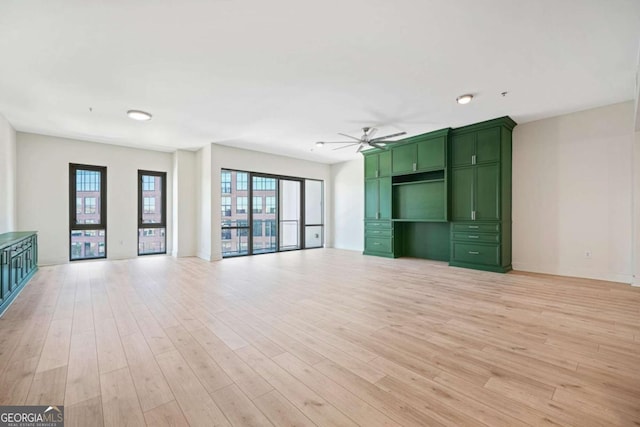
[[18, 263], [460, 178]]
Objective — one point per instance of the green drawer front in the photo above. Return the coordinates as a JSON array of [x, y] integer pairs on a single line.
[[471, 236], [375, 225], [377, 232], [475, 227], [378, 244], [476, 253]]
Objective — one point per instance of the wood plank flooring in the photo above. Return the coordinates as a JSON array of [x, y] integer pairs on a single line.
[[321, 337]]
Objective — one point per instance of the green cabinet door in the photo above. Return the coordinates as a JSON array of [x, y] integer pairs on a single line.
[[431, 154], [463, 147], [462, 193], [404, 158], [370, 166], [371, 197], [384, 163], [487, 192], [384, 198], [377, 165], [488, 145]]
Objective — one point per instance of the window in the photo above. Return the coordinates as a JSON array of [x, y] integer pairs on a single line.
[[257, 204], [269, 213], [257, 228], [225, 203], [148, 183], [89, 205], [225, 180], [149, 205], [242, 179], [152, 212], [270, 228], [87, 212], [270, 201], [241, 205], [243, 228]]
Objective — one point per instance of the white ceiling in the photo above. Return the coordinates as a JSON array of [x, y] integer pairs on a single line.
[[279, 75]]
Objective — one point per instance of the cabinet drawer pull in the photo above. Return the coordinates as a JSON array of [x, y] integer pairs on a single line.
[[473, 237], [376, 243], [474, 226], [474, 252], [376, 231]]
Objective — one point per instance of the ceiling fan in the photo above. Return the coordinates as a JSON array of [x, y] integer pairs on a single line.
[[365, 141]]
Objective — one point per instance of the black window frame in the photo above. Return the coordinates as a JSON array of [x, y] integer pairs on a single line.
[[73, 214], [163, 208]]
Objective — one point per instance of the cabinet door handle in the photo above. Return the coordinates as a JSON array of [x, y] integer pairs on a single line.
[[473, 215], [377, 215], [377, 173], [473, 159], [473, 237], [474, 252], [414, 167]]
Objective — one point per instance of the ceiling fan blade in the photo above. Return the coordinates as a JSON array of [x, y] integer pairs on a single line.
[[349, 136], [346, 146], [360, 148], [339, 142], [372, 131], [382, 146], [380, 138]]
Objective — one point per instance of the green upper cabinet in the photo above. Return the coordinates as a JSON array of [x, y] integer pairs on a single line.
[[404, 159], [377, 164], [474, 148], [463, 147], [488, 145], [431, 154], [425, 154]]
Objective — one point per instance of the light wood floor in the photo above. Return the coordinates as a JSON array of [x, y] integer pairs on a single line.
[[320, 337]]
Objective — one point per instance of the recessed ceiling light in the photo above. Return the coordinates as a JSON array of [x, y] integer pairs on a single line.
[[319, 144], [138, 115], [464, 99]]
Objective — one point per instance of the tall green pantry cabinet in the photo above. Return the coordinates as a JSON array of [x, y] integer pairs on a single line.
[[378, 228], [443, 195], [481, 195]]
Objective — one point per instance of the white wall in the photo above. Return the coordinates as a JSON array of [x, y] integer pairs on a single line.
[[223, 157], [7, 176], [203, 208], [184, 204], [572, 193], [43, 191], [347, 181], [636, 210]]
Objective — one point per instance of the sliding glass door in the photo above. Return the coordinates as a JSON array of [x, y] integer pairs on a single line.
[[313, 213], [264, 213], [234, 204], [290, 214]]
